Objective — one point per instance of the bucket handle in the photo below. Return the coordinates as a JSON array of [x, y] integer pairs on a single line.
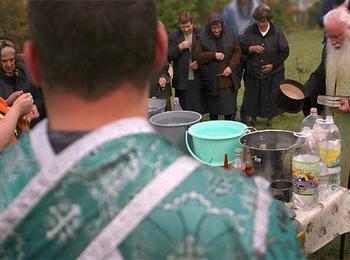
[[249, 129], [190, 150]]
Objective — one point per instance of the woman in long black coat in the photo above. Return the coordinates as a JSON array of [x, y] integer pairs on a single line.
[[266, 48]]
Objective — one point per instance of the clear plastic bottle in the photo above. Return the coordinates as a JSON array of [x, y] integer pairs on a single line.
[[238, 163], [310, 120], [305, 170], [320, 134], [332, 153], [177, 105]]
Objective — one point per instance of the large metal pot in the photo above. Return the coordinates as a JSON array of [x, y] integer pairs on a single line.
[[270, 152]]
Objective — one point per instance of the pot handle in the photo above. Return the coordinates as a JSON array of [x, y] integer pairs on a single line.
[[250, 129]]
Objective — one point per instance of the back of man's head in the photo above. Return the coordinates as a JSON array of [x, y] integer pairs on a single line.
[[90, 47]]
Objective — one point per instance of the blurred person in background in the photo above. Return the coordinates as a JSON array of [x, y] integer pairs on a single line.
[[14, 80], [266, 48], [218, 55], [238, 15], [160, 85]]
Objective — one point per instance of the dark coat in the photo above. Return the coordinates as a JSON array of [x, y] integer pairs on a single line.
[[21, 81], [276, 50], [156, 90], [259, 86], [205, 55], [181, 60]]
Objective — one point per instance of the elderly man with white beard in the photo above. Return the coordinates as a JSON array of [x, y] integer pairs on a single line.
[[332, 77]]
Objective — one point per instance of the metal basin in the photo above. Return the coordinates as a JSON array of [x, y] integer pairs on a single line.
[[270, 152]]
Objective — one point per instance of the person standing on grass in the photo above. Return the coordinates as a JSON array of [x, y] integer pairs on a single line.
[[332, 78], [266, 48], [186, 80], [218, 54], [94, 181]]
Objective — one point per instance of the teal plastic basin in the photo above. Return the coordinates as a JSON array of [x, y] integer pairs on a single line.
[[208, 142]]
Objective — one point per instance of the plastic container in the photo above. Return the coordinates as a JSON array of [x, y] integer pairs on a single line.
[[208, 141], [305, 170], [310, 120], [331, 153], [238, 163], [320, 134]]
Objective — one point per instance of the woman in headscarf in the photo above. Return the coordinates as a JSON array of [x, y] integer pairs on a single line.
[[218, 54], [267, 49]]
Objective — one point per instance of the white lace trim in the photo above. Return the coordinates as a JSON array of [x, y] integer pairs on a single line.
[[49, 175], [261, 219], [41, 146], [138, 209], [115, 255]]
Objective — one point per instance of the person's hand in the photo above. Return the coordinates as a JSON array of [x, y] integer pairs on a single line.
[[162, 82], [219, 55], [256, 49], [227, 72], [266, 68], [23, 104], [34, 113], [194, 65], [185, 45], [13, 97], [344, 106]]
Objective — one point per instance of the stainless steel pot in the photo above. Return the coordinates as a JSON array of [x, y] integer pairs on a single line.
[[270, 153]]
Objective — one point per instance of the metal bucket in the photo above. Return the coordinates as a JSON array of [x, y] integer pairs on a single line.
[[173, 125], [270, 152], [156, 106]]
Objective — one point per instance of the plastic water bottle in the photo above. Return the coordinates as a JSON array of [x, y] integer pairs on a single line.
[[310, 120], [238, 163], [332, 153], [177, 105], [320, 134], [305, 170]]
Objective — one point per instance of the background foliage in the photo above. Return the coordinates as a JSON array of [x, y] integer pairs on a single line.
[[13, 21]]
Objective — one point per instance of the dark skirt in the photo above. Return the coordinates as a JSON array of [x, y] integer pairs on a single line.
[[192, 99], [223, 104], [257, 96]]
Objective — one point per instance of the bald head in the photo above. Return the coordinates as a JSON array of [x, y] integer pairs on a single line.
[[337, 26], [8, 61]]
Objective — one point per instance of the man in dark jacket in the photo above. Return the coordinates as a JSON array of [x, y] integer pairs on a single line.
[[186, 79]]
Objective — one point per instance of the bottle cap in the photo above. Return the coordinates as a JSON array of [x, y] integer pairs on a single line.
[[313, 111], [238, 151]]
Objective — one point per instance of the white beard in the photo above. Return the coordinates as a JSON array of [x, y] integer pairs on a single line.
[[338, 69]]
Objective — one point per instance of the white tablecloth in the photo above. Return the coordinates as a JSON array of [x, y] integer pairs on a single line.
[[329, 219]]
